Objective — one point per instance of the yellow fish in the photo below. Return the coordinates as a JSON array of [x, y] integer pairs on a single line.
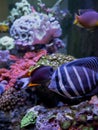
[[4, 28]]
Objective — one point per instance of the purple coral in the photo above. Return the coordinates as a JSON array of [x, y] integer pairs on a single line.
[[4, 57], [35, 28], [3, 86]]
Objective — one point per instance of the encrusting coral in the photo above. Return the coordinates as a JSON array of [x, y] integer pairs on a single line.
[[21, 8], [11, 99], [53, 60]]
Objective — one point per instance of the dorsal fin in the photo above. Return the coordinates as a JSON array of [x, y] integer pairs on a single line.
[[89, 62], [82, 11]]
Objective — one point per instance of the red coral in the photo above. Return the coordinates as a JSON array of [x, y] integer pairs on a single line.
[[20, 67]]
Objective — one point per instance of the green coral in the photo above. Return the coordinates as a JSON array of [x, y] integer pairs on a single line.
[[65, 125], [29, 118], [53, 60]]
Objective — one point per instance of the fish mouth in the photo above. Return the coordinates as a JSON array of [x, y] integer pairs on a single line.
[[33, 84]]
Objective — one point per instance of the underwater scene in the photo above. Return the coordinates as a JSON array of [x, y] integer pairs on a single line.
[[49, 65]]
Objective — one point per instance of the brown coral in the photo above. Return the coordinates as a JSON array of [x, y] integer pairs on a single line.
[[12, 98]]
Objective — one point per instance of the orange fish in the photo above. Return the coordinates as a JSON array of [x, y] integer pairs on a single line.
[[88, 19]]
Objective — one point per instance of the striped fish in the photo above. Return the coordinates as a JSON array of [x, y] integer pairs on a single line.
[[76, 79]]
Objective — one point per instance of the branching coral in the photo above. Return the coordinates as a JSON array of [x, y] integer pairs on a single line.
[[55, 10], [20, 67], [21, 8]]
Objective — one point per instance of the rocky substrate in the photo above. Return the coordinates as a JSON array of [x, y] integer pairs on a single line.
[[36, 115], [38, 108]]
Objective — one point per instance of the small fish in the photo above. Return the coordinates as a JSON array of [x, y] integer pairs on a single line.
[[87, 19], [4, 28], [76, 79]]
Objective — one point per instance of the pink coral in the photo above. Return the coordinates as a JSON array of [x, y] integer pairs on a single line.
[[20, 67]]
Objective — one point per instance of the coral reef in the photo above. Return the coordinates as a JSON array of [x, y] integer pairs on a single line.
[[11, 99], [4, 58], [6, 43], [58, 59], [21, 8], [53, 60], [20, 67], [32, 30], [55, 10], [28, 119], [35, 28], [75, 117]]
